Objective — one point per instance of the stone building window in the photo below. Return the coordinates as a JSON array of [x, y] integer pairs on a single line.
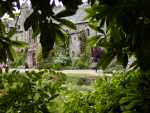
[[18, 27], [75, 38], [67, 31], [88, 32], [16, 38], [78, 55], [73, 53], [35, 40], [80, 38]]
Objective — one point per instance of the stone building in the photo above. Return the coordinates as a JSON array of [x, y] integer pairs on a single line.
[[25, 36], [82, 26], [74, 35]]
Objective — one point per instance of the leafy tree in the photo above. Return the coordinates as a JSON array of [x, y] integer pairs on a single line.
[[126, 33]]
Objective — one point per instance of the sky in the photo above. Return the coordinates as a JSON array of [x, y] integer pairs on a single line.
[[56, 1]]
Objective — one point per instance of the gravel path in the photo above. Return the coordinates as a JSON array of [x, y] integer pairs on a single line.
[[86, 71], [91, 72]]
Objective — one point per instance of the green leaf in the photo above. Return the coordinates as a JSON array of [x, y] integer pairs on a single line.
[[91, 2], [93, 26], [101, 31], [11, 53], [125, 100], [3, 54], [2, 28], [93, 41], [127, 112], [35, 25], [67, 23], [102, 23], [60, 35], [28, 22], [19, 44], [123, 58], [64, 13], [90, 13], [132, 104], [106, 59], [11, 32], [47, 38]]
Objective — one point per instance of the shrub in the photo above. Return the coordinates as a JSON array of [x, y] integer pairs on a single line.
[[83, 62], [43, 92], [56, 60], [120, 94], [31, 92]]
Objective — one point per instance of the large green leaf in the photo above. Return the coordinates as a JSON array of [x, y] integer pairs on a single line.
[[3, 54], [47, 38], [64, 13], [91, 2], [11, 32], [28, 22], [67, 23], [125, 100], [19, 44], [93, 41], [61, 35], [132, 104], [123, 59], [90, 13], [35, 25], [106, 59], [2, 28], [11, 53]]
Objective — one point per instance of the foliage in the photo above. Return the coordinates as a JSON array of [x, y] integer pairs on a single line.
[[20, 59], [7, 44], [119, 94], [83, 62], [47, 92], [31, 92], [55, 60], [114, 66], [123, 28], [83, 42]]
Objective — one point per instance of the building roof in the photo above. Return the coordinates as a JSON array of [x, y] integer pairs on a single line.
[[80, 14], [76, 18]]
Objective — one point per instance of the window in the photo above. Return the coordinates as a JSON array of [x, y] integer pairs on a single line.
[[88, 32], [18, 27], [16, 38], [73, 53], [67, 31], [75, 38]]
